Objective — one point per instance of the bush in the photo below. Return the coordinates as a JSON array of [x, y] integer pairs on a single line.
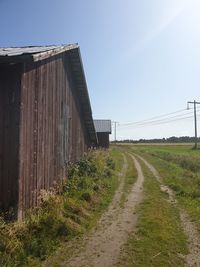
[[110, 163]]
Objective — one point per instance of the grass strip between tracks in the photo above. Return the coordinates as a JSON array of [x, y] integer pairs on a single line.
[[159, 239], [130, 178]]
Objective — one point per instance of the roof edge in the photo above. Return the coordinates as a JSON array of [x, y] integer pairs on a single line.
[[55, 51], [37, 55], [82, 90]]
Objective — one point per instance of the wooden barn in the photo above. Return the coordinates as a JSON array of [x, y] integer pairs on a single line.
[[103, 130], [45, 120]]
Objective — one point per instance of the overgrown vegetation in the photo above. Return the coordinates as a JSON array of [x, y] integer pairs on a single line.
[[159, 240], [63, 214]]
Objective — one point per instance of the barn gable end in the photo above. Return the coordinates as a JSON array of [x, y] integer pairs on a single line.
[[103, 129], [53, 124]]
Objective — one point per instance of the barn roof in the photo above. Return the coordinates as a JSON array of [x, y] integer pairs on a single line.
[[103, 126], [38, 53], [35, 52]]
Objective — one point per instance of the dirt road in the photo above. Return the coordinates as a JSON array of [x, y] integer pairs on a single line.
[[102, 246]]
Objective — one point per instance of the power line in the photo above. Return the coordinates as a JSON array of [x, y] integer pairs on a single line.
[[170, 120], [161, 120], [159, 123], [160, 116], [155, 117]]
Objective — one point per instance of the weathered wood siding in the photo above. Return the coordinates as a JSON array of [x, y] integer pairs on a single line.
[[10, 77], [52, 131], [103, 139]]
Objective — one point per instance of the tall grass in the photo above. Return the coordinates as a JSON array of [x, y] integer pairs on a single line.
[[186, 161]]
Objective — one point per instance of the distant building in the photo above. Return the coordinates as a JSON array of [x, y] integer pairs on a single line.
[[45, 120], [103, 130]]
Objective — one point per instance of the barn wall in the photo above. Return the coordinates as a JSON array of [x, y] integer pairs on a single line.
[[10, 77], [52, 128], [103, 139]]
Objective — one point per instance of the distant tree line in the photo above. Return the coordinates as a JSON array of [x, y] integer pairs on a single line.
[[172, 139]]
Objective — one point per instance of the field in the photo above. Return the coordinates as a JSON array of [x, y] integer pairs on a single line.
[[179, 167]]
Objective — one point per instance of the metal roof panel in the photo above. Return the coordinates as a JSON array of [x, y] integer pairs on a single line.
[[33, 50], [102, 126], [16, 51]]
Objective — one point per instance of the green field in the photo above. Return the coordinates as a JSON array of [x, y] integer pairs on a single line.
[[179, 167]]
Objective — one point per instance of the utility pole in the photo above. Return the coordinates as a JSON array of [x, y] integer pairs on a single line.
[[195, 119], [115, 126]]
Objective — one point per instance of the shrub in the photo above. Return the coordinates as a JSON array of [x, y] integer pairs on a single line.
[[110, 163]]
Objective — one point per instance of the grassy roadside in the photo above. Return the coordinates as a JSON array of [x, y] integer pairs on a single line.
[[180, 177], [159, 239], [63, 214], [116, 155], [106, 196]]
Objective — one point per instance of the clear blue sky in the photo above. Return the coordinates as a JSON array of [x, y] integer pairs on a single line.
[[141, 57]]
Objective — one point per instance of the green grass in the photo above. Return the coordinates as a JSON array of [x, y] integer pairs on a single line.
[[130, 178], [186, 158], [106, 196], [116, 155], [159, 239], [131, 173], [63, 214], [177, 149], [180, 171]]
